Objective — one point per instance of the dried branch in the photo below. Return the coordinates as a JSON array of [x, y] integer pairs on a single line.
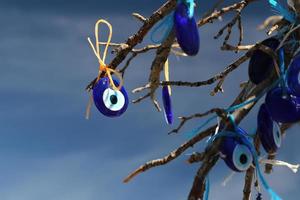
[[227, 70], [216, 14], [214, 8], [164, 10], [218, 111], [218, 88], [162, 54], [229, 26], [229, 47], [250, 173], [269, 167], [141, 98], [270, 22], [239, 115], [241, 30], [139, 17], [198, 188], [196, 157], [174, 154]]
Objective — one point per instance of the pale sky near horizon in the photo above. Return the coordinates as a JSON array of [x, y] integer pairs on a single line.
[[48, 151]]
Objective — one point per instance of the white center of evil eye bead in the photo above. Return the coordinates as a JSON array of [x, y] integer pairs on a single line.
[[298, 78], [113, 100], [242, 157], [277, 134]]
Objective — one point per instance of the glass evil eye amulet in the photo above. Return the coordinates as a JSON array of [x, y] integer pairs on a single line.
[[166, 96], [293, 76], [261, 64], [282, 105], [167, 105], [111, 103], [109, 95], [235, 153], [268, 131], [186, 28]]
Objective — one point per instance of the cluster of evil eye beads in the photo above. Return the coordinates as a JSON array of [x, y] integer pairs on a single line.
[[282, 102], [113, 103], [281, 105]]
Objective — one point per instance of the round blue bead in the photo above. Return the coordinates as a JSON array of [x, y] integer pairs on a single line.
[[283, 106], [110, 103], [235, 160]]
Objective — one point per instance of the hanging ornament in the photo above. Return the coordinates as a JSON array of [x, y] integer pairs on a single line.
[[109, 95], [110, 102], [186, 27], [282, 105], [166, 96], [239, 153], [293, 76], [261, 64], [235, 153], [268, 131]]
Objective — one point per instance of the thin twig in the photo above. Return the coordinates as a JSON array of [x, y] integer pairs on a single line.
[[197, 115], [196, 157], [173, 155], [139, 17]]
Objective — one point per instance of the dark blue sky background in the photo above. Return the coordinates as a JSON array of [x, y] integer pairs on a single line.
[[49, 151]]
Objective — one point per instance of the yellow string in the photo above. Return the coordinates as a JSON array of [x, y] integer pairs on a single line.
[[102, 66], [167, 75]]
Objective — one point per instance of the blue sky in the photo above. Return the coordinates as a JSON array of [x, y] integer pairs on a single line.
[[49, 151]]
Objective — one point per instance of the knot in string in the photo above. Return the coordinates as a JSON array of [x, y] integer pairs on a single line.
[[96, 49]]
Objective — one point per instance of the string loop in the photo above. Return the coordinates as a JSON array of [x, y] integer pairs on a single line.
[[96, 49]]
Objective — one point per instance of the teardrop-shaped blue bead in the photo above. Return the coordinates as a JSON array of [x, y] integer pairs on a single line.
[[265, 129], [261, 64], [293, 76], [167, 105], [186, 30], [283, 106]]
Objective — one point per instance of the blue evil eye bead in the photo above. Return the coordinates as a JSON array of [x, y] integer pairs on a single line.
[[293, 76], [282, 105], [111, 103], [268, 131], [167, 105], [236, 155], [186, 30], [261, 64]]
